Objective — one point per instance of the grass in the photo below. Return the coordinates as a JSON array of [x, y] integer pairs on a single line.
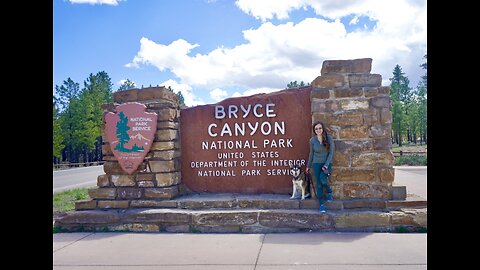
[[410, 159], [410, 148], [65, 201]]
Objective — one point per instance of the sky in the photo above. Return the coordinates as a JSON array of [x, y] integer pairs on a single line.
[[211, 50]]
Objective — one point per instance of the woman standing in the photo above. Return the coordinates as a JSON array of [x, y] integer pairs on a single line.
[[320, 159]]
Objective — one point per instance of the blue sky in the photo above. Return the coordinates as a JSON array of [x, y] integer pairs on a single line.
[[216, 49]]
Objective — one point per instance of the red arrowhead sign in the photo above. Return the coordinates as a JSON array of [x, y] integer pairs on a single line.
[[130, 133]]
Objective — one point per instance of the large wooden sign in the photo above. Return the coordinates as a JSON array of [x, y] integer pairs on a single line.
[[246, 144], [130, 133]]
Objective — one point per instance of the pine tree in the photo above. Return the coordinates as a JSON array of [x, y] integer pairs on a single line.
[[422, 99], [65, 94], [401, 97], [296, 84], [57, 136], [122, 134], [181, 99], [127, 84]]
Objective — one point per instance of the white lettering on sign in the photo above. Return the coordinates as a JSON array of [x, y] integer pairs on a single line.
[[239, 129], [233, 109], [140, 123], [262, 155]]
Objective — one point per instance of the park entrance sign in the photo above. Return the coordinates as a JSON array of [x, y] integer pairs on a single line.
[[130, 132], [246, 144]]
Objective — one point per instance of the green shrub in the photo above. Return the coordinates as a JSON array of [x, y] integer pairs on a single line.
[[411, 160]]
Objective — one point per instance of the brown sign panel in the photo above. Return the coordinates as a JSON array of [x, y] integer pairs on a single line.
[[245, 144], [130, 133]]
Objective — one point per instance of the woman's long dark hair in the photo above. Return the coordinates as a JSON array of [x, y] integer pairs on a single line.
[[324, 134]]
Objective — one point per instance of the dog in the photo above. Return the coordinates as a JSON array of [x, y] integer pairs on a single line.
[[299, 182]]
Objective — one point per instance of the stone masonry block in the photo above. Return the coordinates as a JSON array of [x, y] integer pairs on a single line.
[[362, 220], [399, 192], [168, 179], [102, 180], [129, 193], [370, 191], [166, 135], [386, 175], [320, 93], [85, 204], [353, 104], [353, 132], [102, 193], [167, 124], [162, 166], [341, 159], [113, 204], [348, 93], [155, 93], [363, 65], [351, 146], [365, 80], [385, 116], [368, 159], [161, 193], [167, 114], [379, 131], [166, 155], [380, 102], [161, 146], [330, 80], [353, 174], [123, 180], [125, 96], [345, 118]]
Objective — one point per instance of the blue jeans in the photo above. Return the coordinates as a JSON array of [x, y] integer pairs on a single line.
[[321, 181]]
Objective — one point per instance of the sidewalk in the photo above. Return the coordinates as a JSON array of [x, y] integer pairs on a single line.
[[332, 251]]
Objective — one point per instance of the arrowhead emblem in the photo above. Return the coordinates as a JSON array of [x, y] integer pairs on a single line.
[[130, 133]]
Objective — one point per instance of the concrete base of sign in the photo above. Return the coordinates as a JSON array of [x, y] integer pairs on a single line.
[[240, 213]]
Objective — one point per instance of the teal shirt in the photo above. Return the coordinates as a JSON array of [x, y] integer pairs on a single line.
[[319, 153]]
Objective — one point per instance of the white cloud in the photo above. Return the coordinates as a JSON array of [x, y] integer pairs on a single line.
[[218, 94], [274, 55], [190, 98], [94, 2], [268, 9], [354, 20], [255, 91]]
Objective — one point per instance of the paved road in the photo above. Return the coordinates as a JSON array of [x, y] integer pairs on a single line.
[[414, 178], [76, 178]]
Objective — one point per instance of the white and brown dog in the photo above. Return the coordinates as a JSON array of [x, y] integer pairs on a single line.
[[299, 182]]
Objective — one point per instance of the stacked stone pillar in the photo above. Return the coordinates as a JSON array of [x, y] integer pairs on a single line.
[[353, 103], [158, 178]]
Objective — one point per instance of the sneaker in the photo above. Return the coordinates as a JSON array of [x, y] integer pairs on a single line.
[[329, 197], [322, 208]]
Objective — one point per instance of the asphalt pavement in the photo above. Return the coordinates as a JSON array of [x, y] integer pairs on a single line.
[[276, 251], [76, 178]]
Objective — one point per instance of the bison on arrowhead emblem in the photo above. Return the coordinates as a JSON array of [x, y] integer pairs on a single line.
[[130, 133]]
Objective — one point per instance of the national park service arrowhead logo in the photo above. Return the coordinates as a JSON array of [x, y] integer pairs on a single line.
[[130, 133]]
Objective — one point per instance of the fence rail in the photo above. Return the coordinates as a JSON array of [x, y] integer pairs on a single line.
[[74, 165], [401, 153]]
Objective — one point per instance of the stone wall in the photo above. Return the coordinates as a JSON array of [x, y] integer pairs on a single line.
[[351, 101], [158, 177]]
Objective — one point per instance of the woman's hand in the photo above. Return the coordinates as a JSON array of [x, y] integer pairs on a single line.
[[307, 170]]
